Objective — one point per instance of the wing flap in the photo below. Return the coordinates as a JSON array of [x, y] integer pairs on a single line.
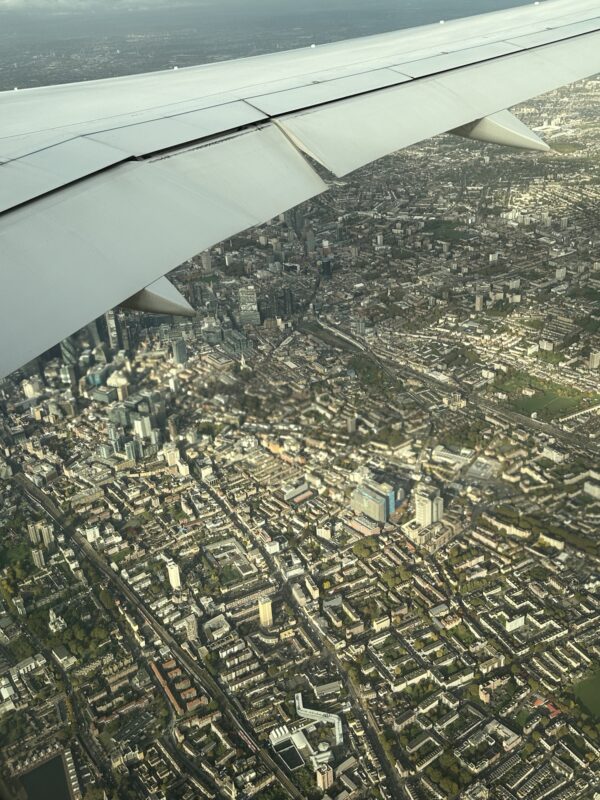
[[52, 167], [147, 137], [346, 135], [96, 243], [556, 33]]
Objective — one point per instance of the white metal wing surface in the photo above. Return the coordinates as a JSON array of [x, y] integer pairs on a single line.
[[107, 185]]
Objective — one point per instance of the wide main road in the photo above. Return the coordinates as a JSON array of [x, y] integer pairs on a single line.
[[203, 677], [199, 673]]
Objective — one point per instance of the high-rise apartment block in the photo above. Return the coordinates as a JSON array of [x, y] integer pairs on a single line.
[[41, 533], [429, 505], [174, 576], [265, 612], [325, 777]]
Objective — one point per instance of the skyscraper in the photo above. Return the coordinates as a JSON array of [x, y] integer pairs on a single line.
[[35, 536], [142, 426], [265, 612], [112, 326], [68, 351], [325, 777], [132, 449], [179, 351], [429, 505], [174, 576], [38, 557]]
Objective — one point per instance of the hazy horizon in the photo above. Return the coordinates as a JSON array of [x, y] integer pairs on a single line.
[[44, 41]]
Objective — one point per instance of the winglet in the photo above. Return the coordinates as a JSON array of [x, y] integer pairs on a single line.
[[504, 129], [161, 297]]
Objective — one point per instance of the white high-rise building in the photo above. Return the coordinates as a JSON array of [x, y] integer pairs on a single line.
[[47, 532], [265, 612], [171, 454], [35, 534], [174, 576], [429, 506]]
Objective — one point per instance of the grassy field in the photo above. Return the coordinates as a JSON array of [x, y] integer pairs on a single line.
[[444, 230], [588, 693], [550, 400]]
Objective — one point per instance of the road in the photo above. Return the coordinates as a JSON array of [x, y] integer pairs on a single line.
[[361, 710], [201, 675], [484, 406], [363, 713]]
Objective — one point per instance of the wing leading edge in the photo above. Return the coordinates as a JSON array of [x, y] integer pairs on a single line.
[[106, 186]]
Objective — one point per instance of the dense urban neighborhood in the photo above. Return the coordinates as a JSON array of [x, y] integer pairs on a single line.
[[337, 536]]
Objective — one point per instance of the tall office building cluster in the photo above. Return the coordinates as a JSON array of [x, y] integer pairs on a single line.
[[135, 425], [278, 304], [429, 505], [118, 330], [375, 500]]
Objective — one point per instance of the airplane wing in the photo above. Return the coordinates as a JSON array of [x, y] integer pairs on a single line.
[[107, 185]]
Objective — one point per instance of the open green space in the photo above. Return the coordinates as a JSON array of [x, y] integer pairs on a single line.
[[567, 147], [550, 400], [587, 692], [444, 230], [548, 357]]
